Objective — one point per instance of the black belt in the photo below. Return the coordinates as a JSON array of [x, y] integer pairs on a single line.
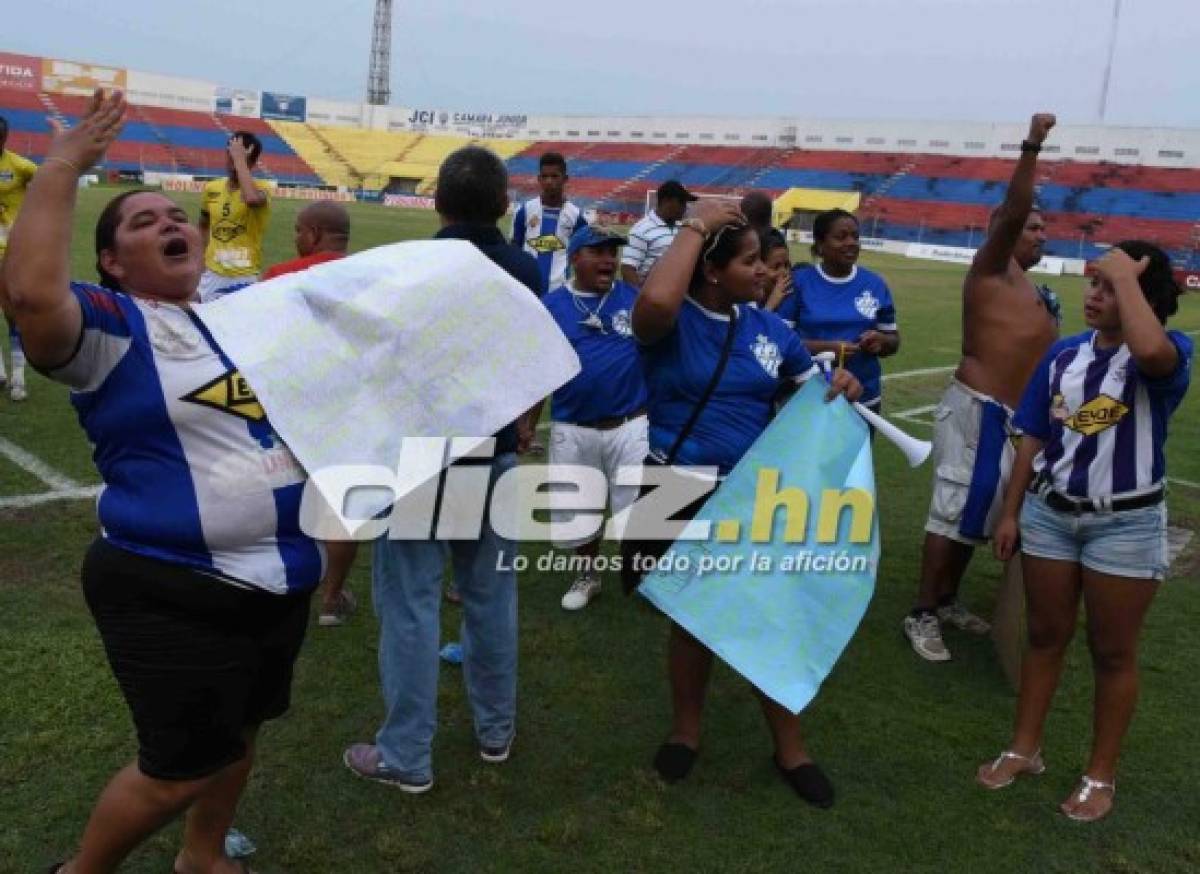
[[610, 422], [1063, 504]]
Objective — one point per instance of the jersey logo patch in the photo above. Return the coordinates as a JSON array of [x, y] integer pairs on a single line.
[[546, 243], [866, 304], [1098, 414], [229, 393], [767, 353], [223, 233], [621, 323]]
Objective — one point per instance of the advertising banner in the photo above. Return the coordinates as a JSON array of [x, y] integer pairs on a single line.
[[20, 72], [1188, 279], [408, 200], [79, 80], [284, 107], [236, 101]]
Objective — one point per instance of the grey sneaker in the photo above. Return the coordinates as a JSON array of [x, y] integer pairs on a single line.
[[17, 392], [925, 635], [364, 761], [497, 754], [963, 619], [337, 613], [581, 593]]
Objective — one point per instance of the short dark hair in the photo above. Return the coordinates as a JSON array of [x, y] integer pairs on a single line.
[[252, 143], [106, 234], [756, 207], [553, 159], [1158, 280], [3, 127], [720, 250], [472, 186]]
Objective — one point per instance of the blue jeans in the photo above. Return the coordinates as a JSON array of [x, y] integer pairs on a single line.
[[407, 578]]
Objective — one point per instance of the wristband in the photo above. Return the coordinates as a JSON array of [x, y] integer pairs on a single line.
[[694, 224], [1027, 146]]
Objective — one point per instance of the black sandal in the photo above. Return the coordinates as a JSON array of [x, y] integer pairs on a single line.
[[809, 782], [674, 761]]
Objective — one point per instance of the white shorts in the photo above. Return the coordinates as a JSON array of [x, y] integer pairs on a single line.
[[603, 450], [972, 458], [214, 285]]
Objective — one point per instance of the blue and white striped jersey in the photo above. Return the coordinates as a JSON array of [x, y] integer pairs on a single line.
[[544, 231], [193, 471], [1103, 423]]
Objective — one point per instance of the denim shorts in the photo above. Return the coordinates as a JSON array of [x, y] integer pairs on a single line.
[[1131, 543]]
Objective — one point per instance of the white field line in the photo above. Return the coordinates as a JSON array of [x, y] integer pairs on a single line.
[[24, 502], [30, 463]]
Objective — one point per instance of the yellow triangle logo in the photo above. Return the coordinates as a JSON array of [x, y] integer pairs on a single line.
[[1098, 414], [231, 394]]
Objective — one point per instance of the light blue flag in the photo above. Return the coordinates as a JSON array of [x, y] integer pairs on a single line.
[[781, 613]]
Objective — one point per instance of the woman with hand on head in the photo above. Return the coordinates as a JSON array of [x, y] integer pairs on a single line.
[[1088, 489], [842, 307], [200, 581], [714, 367]]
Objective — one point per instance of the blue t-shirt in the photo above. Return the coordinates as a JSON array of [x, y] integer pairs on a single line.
[[765, 353], [1103, 423], [824, 307], [610, 381], [193, 471]]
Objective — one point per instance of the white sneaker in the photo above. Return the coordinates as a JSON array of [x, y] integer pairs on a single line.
[[962, 618], [581, 592], [925, 635], [17, 392]]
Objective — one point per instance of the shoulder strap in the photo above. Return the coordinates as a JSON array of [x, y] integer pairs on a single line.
[[718, 371]]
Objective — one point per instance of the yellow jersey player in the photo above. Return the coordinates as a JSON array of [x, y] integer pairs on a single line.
[[233, 218], [15, 174]]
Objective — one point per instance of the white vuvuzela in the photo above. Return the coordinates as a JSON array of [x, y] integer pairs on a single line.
[[915, 451]]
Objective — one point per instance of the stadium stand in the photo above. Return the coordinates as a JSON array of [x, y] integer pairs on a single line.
[[913, 196], [935, 199], [155, 139], [380, 160]]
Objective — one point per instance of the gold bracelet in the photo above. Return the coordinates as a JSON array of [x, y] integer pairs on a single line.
[[70, 164]]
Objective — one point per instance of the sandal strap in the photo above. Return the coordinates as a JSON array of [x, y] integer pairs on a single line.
[[1088, 785], [1007, 755]]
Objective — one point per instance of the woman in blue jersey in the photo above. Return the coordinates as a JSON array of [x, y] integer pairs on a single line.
[[1088, 489], [200, 581], [841, 307], [691, 315]]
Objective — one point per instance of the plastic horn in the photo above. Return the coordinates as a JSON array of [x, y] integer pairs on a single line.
[[915, 451]]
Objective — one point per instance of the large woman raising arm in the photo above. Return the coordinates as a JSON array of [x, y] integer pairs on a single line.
[[200, 581]]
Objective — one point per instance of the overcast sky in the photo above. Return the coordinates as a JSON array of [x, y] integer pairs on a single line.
[[981, 60]]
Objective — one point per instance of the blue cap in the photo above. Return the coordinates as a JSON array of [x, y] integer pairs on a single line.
[[593, 235]]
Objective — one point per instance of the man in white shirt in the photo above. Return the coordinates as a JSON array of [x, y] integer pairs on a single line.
[[651, 236]]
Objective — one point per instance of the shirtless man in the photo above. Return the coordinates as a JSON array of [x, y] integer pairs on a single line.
[[1008, 324]]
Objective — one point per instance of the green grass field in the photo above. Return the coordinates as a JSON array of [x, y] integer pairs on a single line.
[[899, 737]]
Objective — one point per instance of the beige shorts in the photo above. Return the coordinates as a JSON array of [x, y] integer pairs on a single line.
[[972, 457]]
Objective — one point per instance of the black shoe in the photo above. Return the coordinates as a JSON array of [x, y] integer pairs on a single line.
[[810, 783], [674, 761]]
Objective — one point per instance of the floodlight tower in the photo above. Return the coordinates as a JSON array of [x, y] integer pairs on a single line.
[[379, 88], [1112, 50]]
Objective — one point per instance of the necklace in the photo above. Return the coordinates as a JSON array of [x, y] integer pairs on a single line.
[[591, 317]]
